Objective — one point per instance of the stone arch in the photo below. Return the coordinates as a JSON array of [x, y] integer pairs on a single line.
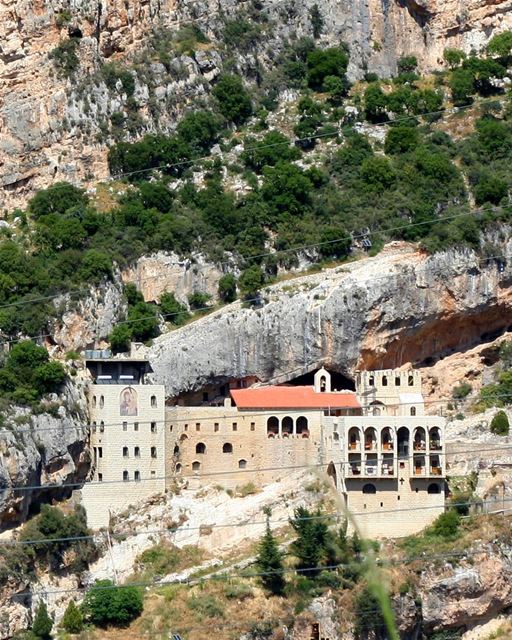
[[227, 447], [420, 439], [287, 426], [183, 437], [434, 488], [434, 437], [272, 427], [369, 488], [354, 438], [403, 441], [377, 408], [370, 439], [387, 439], [301, 425], [242, 464], [200, 448]]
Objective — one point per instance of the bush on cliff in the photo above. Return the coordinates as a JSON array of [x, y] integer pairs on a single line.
[[105, 604], [500, 424]]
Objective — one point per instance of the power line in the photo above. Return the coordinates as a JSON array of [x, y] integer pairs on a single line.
[[253, 471], [229, 525]]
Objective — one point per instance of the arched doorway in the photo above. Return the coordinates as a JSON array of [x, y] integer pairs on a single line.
[[403, 441]]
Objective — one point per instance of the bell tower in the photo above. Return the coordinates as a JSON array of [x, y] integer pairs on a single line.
[[322, 381]]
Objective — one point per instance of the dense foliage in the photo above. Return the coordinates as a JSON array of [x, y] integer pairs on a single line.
[[105, 604]]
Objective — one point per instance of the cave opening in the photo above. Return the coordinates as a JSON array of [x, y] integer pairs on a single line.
[[339, 382]]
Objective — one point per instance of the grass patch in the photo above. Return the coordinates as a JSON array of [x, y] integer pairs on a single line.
[[165, 558]]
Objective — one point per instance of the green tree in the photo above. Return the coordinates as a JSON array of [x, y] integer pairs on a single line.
[[326, 62], [42, 625], [143, 321], [378, 173], [49, 376], [447, 525], [200, 130], [313, 539], [233, 101], [462, 87], [270, 562], [286, 189], [407, 64], [317, 21], [106, 604], [500, 45], [499, 424], [375, 103], [401, 139], [273, 148], [73, 621], [370, 622], [453, 57], [490, 189], [250, 282], [120, 338], [227, 288], [58, 198], [335, 242], [494, 138], [172, 310]]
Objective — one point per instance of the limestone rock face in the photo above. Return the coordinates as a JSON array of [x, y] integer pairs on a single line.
[[38, 450], [54, 128], [401, 307]]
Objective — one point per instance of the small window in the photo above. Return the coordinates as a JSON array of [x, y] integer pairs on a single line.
[[381, 504], [100, 477], [398, 497], [253, 426], [185, 428], [170, 427], [371, 381], [410, 381], [178, 468], [434, 488], [100, 452], [216, 426], [125, 476], [153, 402], [102, 402], [135, 426], [125, 426], [200, 447], [125, 452], [235, 426], [413, 411], [153, 427], [196, 466], [242, 464], [94, 427], [102, 426], [227, 447], [384, 381], [176, 451], [136, 475], [198, 426], [94, 402], [369, 488], [136, 452], [153, 452], [153, 474], [397, 381]]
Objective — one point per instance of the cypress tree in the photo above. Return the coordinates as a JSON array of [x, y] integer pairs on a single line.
[[42, 627], [499, 424], [270, 561], [72, 621]]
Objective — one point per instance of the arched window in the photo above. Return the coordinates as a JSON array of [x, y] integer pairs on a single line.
[[178, 468], [242, 464], [369, 488], [102, 426], [102, 402], [301, 426], [434, 488], [384, 381], [323, 384], [94, 402], [125, 476], [397, 381], [371, 381], [153, 452], [287, 425], [200, 447], [227, 447], [413, 411], [153, 401], [136, 476], [125, 452], [183, 437], [272, 426], [410, 381], [196, 466], [136, 452], [176, 451]]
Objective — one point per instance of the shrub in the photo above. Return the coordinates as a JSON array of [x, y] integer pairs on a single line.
[[227, 288], [199, 300], [378, 172], [42, 626], [233, 101], [317, 21], [112, 74], [401, 139], [241, 35], [375, 103], [461, 391], [490, 189], [500, 45], [273, 148], [143, 321], [200, 130], [499, 424], [65, 57], [453, 57], [73, 621], [462, 87], [447, 525], [326, 62], [106, 604], [120, 338], [172, 310], [49, 376], [407, 64], [250, 282], [96, 265], [58, 198]]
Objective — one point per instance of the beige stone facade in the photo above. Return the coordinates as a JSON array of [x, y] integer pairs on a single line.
[[383, 454]]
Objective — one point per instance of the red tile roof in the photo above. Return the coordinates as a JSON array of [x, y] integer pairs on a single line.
[[291, 397]]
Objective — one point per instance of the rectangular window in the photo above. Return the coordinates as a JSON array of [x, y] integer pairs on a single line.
[[100, 477], [153, 452], [125, 426], [235, 426], [100, 452], [186, 427], [137, 476], [198, 426], [135, 426], [216, 426], [253, 426], [125, 452], [153, 474], [136, 452], [153, 427], [170, 427]]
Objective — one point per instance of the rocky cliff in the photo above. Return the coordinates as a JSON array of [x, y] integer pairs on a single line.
[[45, 449], [55, 125], [401, 307]]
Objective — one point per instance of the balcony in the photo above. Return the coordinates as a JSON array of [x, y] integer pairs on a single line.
[[435, 445], [354, 470]]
